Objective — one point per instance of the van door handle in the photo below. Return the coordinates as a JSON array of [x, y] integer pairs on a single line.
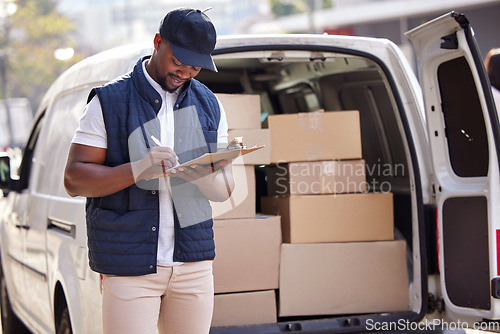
[[15, 218], [25, 227]]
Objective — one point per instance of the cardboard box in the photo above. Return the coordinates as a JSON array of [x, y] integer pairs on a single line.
[[242, 110], [333, 218], [254, 137], [320, 177], [247, 254], [248, 308], [241, 204], [315, 136], [343, 278]]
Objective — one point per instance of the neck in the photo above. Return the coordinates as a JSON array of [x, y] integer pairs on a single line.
[[149, 69]]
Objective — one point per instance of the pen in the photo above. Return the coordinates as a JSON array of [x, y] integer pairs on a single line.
[[156, 141]]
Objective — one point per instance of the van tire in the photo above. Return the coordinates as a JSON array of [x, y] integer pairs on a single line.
[[64, 325], [10, 322]]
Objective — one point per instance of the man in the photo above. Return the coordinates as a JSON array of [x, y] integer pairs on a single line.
[[150, 229], [492, 65]]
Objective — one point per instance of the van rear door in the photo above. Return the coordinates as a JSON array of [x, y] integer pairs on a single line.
[[464, 136]]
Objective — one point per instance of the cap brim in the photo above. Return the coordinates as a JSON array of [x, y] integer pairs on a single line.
[[193, 58]]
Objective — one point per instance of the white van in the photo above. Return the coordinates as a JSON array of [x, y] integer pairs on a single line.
[[443, 128]]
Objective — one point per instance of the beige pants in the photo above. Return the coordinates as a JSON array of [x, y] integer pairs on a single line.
[[177, 299]]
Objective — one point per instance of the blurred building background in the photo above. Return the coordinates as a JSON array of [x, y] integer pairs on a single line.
[[39, 39], [102, 24], [107, 23]]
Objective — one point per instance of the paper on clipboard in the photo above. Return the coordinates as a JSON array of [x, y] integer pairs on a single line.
[[209, 158]]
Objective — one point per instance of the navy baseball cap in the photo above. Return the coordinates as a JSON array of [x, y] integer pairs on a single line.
[[191, 35]]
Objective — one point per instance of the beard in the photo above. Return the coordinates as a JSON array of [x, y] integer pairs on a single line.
[[163, 82]]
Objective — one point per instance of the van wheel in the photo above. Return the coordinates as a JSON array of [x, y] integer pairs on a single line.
[[64, 326], [10, 322]]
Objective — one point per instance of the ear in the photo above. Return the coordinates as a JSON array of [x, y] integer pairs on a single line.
[[157, 41]]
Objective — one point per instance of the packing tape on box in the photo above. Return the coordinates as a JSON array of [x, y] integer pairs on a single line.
[[329, 168], [313, 122], [314, 152]]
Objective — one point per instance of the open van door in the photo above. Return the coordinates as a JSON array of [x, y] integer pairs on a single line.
[[464, 137]]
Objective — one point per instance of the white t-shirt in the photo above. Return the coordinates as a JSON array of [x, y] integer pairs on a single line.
[[92, 132]]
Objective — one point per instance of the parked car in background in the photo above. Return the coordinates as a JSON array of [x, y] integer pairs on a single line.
[[442, 130]]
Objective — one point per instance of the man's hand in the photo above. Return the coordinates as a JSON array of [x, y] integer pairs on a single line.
[[154, 164], [198, 174], [215, 181]]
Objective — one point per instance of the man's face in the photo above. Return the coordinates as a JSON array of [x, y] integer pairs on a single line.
[[167, 70]]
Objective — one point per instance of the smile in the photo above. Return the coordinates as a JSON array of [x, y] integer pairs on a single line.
[[177, 81]]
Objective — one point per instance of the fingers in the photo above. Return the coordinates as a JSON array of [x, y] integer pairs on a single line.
[[154, 164], [221, 164], [163, 156], [189, 173], [196, 171]]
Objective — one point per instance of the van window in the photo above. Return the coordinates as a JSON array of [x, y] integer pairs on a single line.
[[28, 152], [299, 98], [465, 129], [60, 128]]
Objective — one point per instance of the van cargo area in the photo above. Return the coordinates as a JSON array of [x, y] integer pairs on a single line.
[[335, 173]]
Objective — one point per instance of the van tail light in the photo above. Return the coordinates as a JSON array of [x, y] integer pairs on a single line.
[[437, 240], [101, 276]]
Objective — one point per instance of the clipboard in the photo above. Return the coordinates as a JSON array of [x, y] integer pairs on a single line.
[[210, 158]]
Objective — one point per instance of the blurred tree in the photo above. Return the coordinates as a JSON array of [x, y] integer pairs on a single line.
[[288, 7], [30, 37]]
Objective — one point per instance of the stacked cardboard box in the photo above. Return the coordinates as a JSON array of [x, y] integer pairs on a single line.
[[315, 136], [340, 236], [246, 267], [243, 118], [248, 308], [333, 217], [319, 177], [338, 255], [343, 278], [241, 204], [248, 254]]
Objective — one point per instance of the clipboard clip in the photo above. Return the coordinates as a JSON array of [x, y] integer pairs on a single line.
[[235, 144]]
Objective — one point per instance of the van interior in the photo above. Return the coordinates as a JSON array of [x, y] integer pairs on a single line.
[[296, 81]]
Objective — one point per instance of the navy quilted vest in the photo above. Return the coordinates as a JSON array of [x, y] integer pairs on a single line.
[[122, 228]]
